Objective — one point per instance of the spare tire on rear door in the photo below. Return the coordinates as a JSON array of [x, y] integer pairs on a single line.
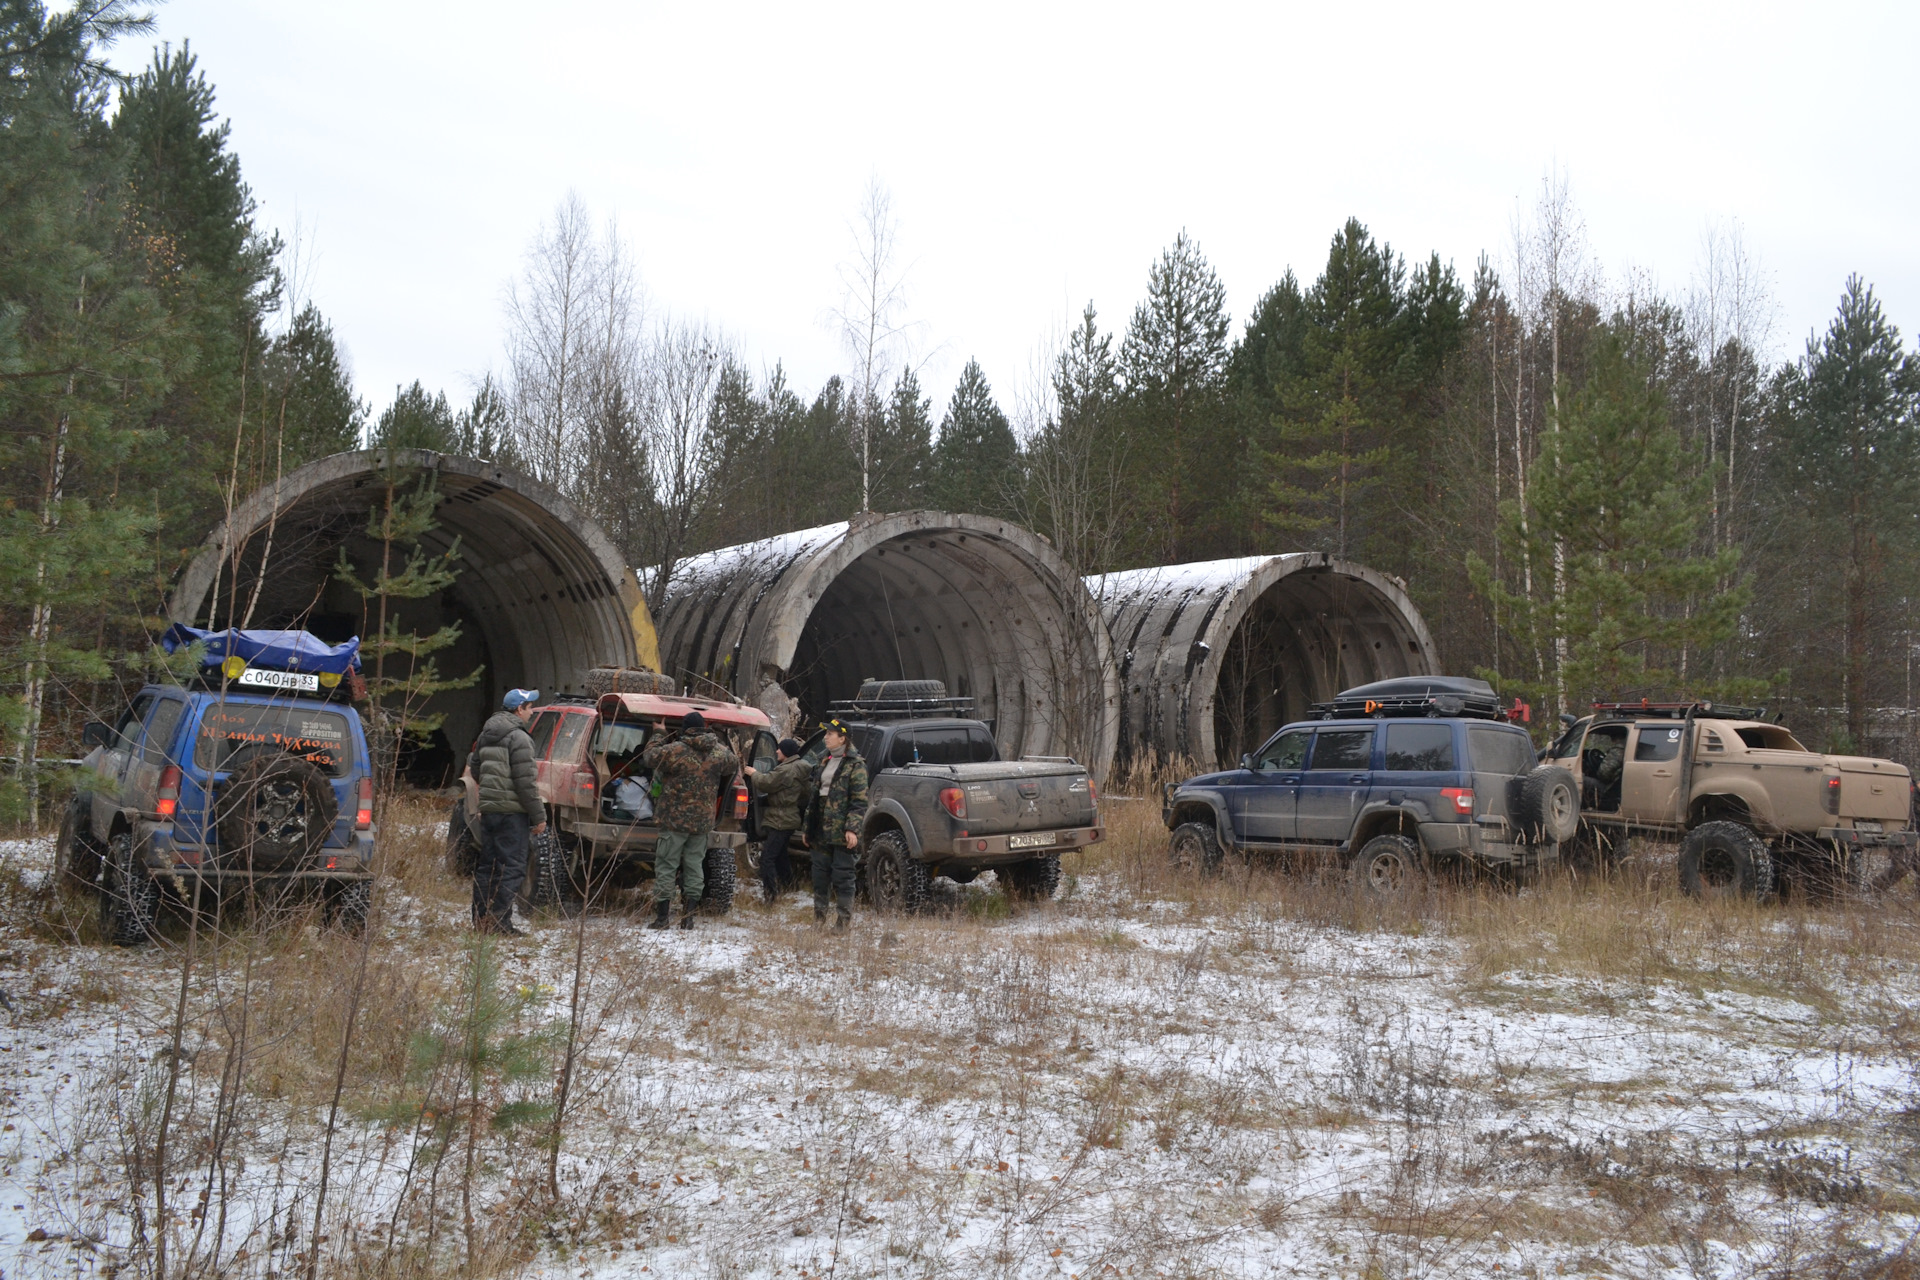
[[1545, 805], [274, 812]]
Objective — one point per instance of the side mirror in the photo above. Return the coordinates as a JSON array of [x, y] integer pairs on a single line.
[[96, 733], [1568, 719], [1246, 762]]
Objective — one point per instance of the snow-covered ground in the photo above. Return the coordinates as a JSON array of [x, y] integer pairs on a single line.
[[1117, 1083]]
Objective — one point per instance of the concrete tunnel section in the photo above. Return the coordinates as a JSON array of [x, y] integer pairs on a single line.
[[1214, 656], [540, 597], [978, 603]]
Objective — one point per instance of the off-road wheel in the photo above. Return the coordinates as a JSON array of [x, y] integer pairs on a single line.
[[1390, 869], [555, 877], [1725, 859], [77, 856], [348, 905], [1547, 808], [463, 844], [721, 874], [129, 898], [274, 812], [1195, 850], [896, 880], [1035, 880]]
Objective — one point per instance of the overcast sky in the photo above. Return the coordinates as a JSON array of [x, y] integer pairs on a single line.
[[1040, 156]]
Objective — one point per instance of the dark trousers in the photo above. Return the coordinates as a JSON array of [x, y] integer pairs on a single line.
[[776, 865], [499, 867], [833, 869]]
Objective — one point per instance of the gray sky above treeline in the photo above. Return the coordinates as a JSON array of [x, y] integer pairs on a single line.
[[1039, 156]]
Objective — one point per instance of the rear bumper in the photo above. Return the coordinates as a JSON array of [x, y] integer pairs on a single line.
[[201, 862], [984, 850], [1871, 839], [1483, 843]]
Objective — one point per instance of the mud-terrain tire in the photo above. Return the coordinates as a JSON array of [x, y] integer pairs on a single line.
[[1390, 869], [722, 876], [1195, 849], [77, 856], [1725, 859], [348, 906], [896, 880], [129, 898], [1035, 880], [604, 680], [541, 888], [462, 846], [274, 812], [899, 690], [1547, 808]]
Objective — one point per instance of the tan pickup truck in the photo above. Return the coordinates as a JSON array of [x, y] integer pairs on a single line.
[[1752, 806]]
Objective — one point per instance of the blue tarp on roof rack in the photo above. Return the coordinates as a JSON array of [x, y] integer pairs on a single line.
[[283, 650]]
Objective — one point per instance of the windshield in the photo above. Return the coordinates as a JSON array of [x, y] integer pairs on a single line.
[[227, 730]]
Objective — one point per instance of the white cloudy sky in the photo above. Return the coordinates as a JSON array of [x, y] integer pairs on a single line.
[[1041, 155]]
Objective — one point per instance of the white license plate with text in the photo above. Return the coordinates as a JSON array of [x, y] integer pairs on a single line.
[[1032, 840], [261, 678]]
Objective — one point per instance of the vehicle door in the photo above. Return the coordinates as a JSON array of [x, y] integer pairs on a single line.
[[1498, 755], [1417, 764], [760, 756], [545, 725], [155, 754], [1262, 800], [1650, 783], [575, 782], [1336, 782], [107, 799]]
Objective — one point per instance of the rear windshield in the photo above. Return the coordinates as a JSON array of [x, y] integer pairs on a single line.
[[950, 744], [1419, 748], [621, 744], [312, 734], [1494, 750]]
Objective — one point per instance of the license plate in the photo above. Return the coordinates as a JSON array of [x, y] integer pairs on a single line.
[[261, 678], [1870, 828], [1033, 840]]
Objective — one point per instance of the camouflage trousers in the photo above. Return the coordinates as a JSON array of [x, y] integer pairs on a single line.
[[680, 859], [833, 870]]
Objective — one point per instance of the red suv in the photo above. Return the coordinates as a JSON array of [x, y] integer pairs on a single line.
[[601, 834]]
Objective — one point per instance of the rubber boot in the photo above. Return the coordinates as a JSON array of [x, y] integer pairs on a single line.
[[661, 909], [819, 915], [842, 921], [686, 914]]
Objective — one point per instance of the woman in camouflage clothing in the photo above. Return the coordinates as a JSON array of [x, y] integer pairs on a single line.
[[836, 810]]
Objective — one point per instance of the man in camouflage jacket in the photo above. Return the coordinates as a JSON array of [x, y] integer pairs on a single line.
[[836, 810], [689, 769]]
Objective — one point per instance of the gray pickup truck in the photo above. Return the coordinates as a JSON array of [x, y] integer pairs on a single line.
[[941, 801]]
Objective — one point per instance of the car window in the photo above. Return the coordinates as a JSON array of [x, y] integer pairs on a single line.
[[1568, 743], [867, 740], [316, 735], [1657, 742], [1288, 751], [542, 730], [573, 728], [158, 746], [981, 745], [1494, 750], [763, 745], [944, 744], [1343, 749], [1769, 738], [1419, 748], [128, 730], [621, 743]]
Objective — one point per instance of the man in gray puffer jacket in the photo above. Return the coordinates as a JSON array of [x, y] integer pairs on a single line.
[[510, 810]]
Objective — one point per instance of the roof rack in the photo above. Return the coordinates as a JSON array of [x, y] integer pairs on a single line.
[[902, 708], [1647, 710], [1472, 704]]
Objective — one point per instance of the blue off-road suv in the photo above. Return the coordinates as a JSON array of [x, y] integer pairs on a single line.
[[254, 776], [1393, 777]]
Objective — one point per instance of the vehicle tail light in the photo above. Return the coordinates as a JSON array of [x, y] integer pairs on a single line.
[[954, 801], [583, 780], [167, 800], [1093, 795], [1462, 798], [363, 805], [739, 801], [1832, 794]]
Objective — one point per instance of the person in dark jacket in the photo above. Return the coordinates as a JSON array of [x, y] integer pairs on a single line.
[[783, 794], [510, 810], [689, 769], [836, 810]]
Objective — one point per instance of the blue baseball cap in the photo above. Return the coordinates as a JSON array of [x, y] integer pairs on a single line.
[[518, 698]]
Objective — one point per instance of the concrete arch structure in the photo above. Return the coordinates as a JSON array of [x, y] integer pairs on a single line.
[[1214, 656], [541, 596], [979, 603]]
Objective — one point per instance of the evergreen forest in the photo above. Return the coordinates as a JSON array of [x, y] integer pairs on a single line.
[[1590, 488]]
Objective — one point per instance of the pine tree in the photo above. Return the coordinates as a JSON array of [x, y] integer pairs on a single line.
[[902, 447], [1846, 439], [416, 420], [315, 410], [1075, 466], [1174, 361], [976, 461]]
